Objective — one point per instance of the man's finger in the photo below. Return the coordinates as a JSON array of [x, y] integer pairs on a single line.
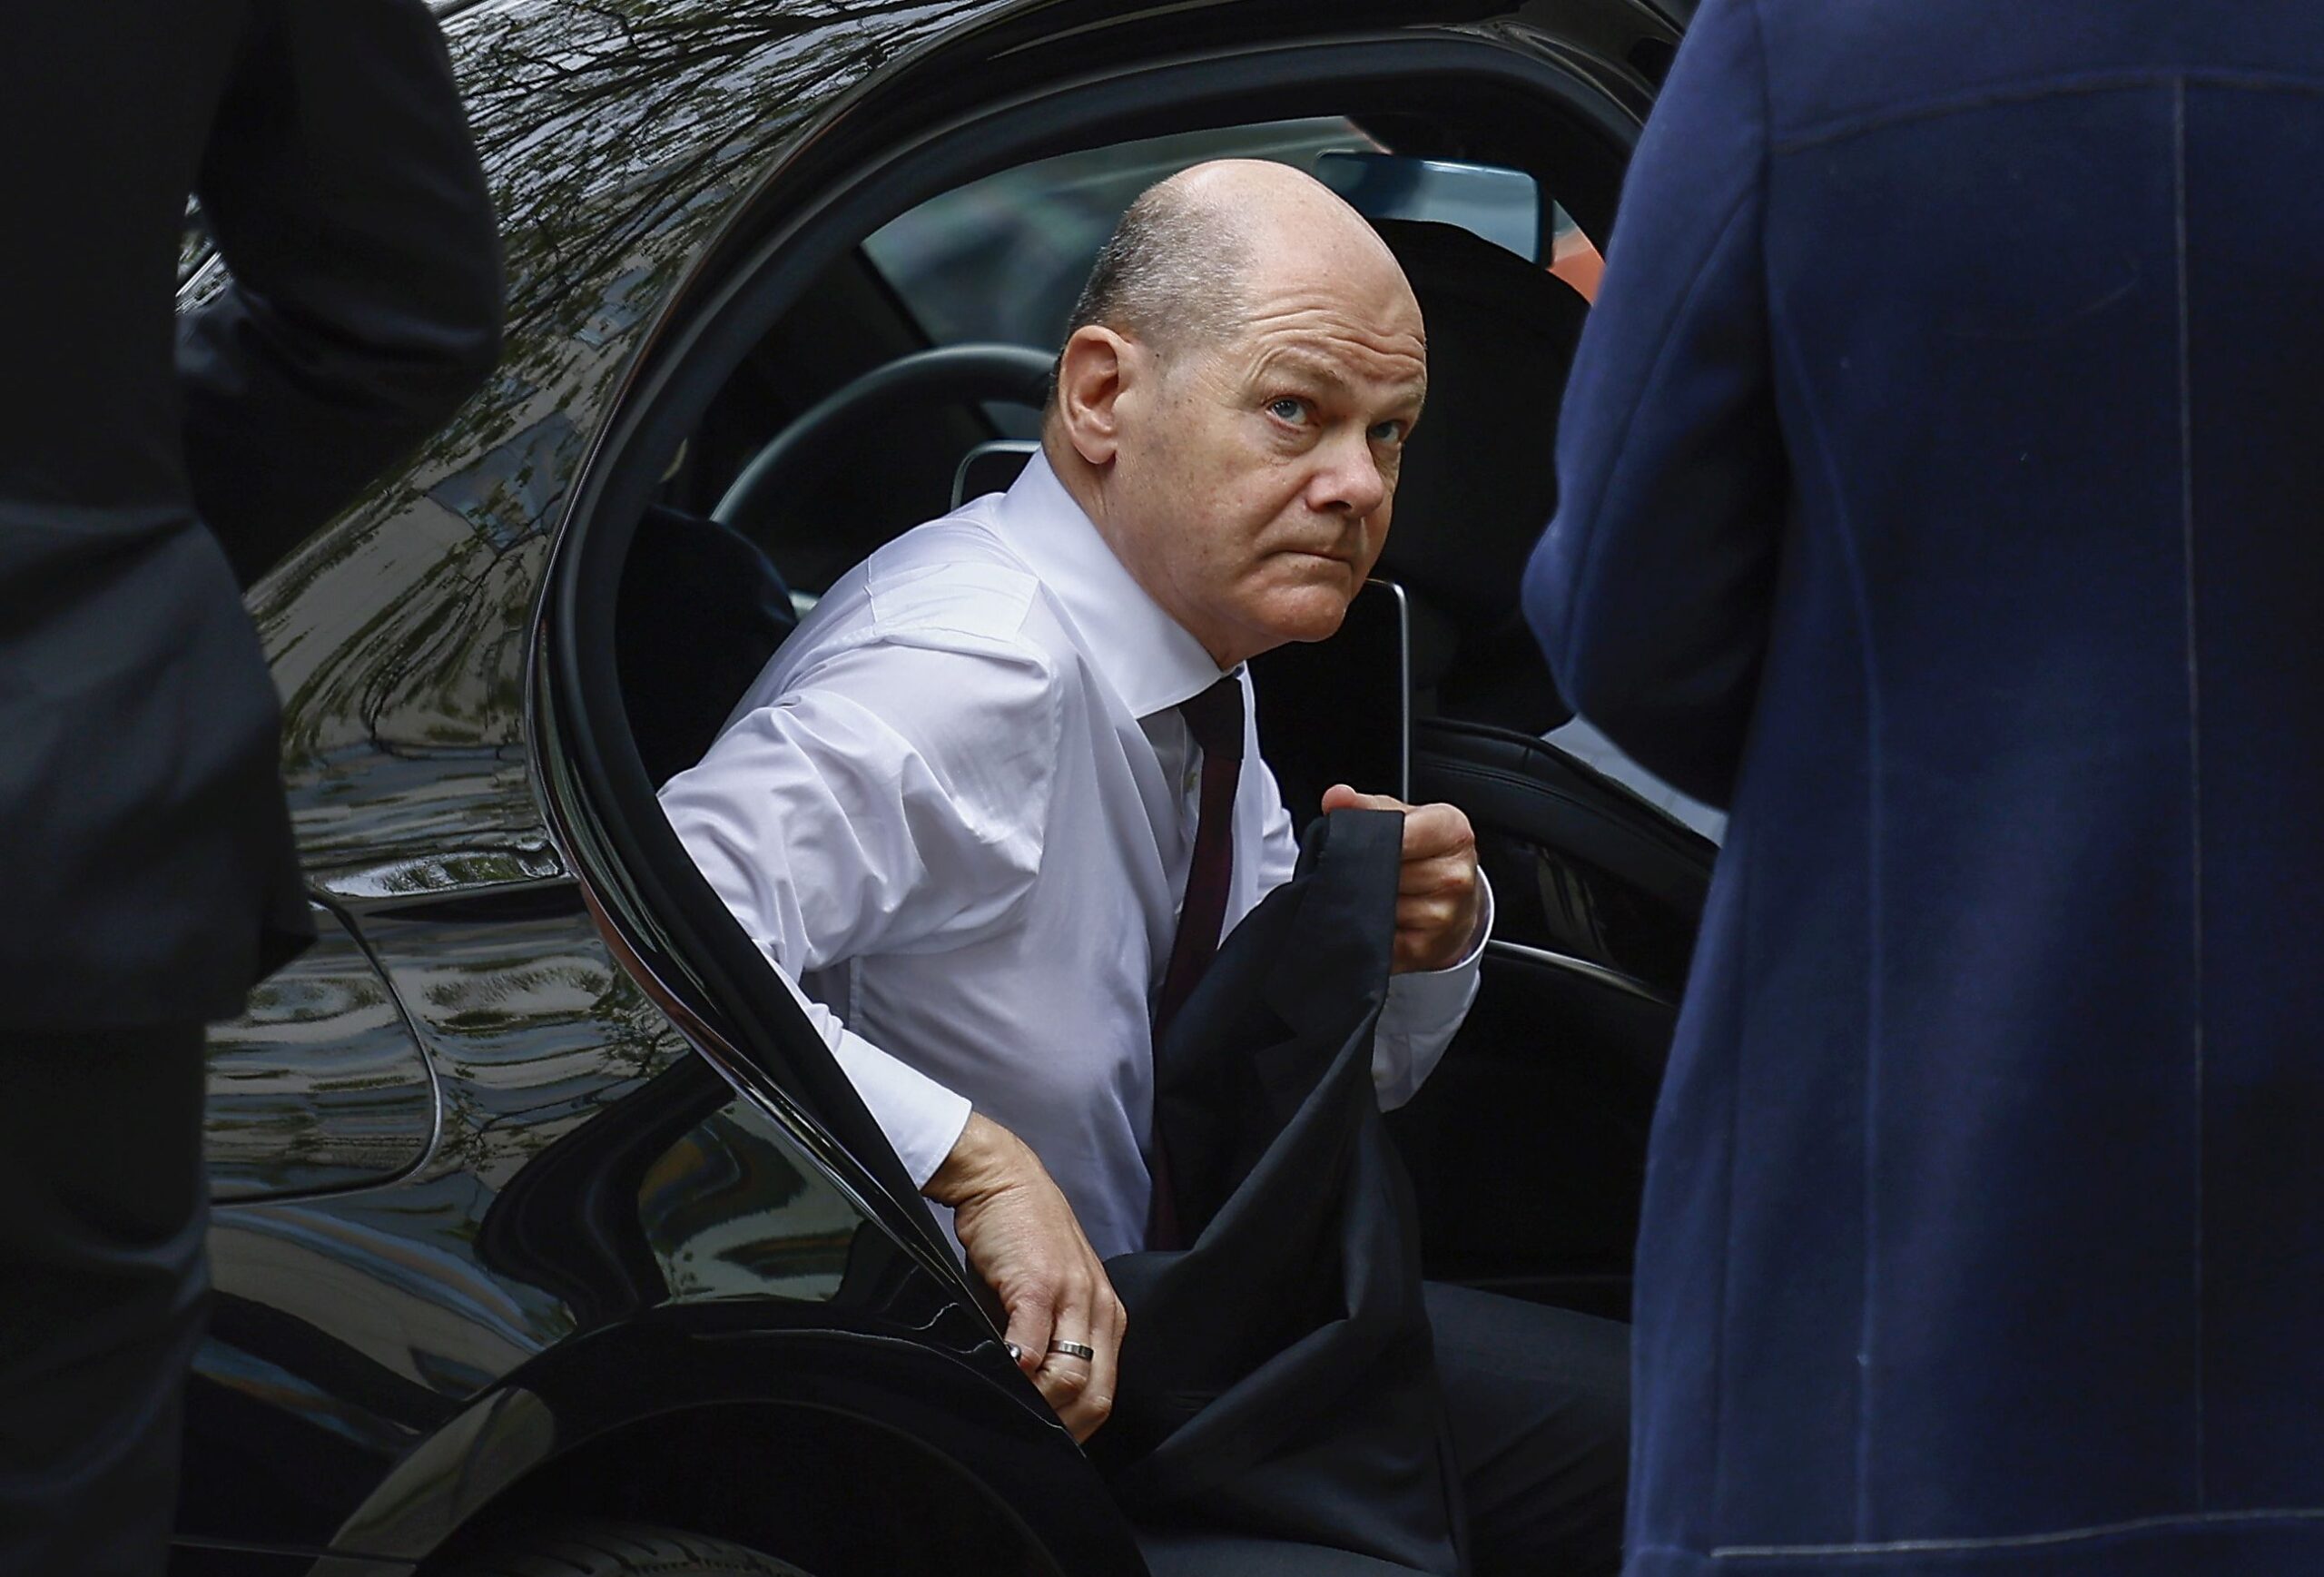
[[1447, 874], [1428, 914], [1433, 831], [1107, 1338], [1064, 1377], [1422, 952], [1341, 797], [1030, 1320], [1064, 1382]]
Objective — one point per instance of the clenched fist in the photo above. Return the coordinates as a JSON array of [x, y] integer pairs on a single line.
[[1440, 896]]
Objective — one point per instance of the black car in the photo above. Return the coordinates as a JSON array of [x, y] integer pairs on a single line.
[[546, 1230]]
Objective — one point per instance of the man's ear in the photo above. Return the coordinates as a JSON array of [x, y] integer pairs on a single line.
[[1089, 378]]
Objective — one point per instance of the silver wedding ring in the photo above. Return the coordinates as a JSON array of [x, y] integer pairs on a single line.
[[1074, 1350]]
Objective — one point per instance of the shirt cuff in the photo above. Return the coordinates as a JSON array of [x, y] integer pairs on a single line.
[[1423, 1011], [1451, 986], [921, 1119]]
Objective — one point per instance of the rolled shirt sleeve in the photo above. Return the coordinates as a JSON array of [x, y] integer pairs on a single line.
[[890, 795]]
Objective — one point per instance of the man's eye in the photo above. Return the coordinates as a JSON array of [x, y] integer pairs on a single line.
[[1388, 432], [1287, 409]]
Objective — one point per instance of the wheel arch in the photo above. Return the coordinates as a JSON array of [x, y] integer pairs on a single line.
[[801, 1441]]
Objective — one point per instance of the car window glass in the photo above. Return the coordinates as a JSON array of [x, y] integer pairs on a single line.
[[1497, 204], [1003, 258]]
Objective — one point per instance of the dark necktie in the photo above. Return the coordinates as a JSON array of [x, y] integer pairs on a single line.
[[1215, 719]]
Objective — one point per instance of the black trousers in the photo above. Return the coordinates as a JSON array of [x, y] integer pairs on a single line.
[[103, 1209], [1539, 1402]]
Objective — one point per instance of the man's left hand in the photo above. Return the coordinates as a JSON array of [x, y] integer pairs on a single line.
[[1439, 898]]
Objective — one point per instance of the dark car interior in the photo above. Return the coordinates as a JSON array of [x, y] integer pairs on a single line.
[[879, 400]]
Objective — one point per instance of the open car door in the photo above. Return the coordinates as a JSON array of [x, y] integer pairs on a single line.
[[1487, 157]]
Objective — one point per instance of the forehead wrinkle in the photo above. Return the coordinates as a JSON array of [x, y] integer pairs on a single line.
[[1333, 319], [1332, 309], [1319, 371], [1315, 363]]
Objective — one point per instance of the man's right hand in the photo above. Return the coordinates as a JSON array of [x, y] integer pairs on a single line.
[[1022, 1238]]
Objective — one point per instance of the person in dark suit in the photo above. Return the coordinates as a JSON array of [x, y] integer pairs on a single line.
[[150, 877], [1940, 476]]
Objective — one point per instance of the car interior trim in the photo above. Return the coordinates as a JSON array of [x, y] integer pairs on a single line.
[[1577, 966]]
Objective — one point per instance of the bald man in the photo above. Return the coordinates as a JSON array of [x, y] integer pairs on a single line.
[[969, 802]]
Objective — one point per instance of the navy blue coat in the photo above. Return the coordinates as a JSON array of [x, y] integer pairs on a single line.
[[1943, 479]]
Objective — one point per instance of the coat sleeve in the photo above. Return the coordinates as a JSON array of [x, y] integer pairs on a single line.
[[1651, 591], [345, 194]]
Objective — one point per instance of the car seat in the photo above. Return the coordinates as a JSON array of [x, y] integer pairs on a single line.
[[699, 612], [700, 608], [1479, 478]]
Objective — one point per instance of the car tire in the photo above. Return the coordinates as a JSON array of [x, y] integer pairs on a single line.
[[612, 1549]]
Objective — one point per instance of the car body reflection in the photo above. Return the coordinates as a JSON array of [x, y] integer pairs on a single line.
[[492, 1236]]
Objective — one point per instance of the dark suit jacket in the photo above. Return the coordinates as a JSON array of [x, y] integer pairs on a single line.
[[1279, 1377], [145, 854], [1942, 473]]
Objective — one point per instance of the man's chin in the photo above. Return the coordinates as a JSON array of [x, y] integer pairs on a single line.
[[1310, 614]]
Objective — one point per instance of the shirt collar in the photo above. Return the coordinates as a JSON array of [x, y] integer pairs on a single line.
[[1146, 655]]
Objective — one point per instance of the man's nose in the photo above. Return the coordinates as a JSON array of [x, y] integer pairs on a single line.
[[1349, 481]]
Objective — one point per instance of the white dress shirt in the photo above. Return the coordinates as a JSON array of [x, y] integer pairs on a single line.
[[959, 807]]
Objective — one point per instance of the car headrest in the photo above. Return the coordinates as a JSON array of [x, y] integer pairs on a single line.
[[1479, 479]]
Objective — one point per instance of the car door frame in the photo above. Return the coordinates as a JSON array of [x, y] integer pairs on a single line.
[[873, 160]]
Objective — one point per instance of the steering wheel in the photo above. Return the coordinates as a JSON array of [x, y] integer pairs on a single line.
[[1006, 374]]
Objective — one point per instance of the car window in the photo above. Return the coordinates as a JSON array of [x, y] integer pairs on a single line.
[[1574, 256], [1003, 258]]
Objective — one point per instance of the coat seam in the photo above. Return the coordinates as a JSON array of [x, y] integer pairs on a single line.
[[2020, 1541], [2194, 748], [1874, 835], [1840, 128], [1875, 838], [1735, 1092]]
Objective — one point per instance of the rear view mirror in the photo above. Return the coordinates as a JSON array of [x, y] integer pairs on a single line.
[[1503, 206]]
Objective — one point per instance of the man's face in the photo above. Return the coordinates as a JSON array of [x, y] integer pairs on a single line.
[[1253, 480]]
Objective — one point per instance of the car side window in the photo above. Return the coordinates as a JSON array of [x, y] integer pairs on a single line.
[[1003, 258]]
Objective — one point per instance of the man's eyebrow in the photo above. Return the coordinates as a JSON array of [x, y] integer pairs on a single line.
[[1323, 370]]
